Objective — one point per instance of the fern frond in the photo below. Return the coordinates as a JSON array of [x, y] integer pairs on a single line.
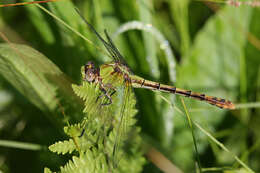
[[88, 92], [67, 146], [73, 130], [83, 143], [88, 162], [47, 170], [105, 127]]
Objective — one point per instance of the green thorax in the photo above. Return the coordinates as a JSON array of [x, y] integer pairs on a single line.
[[114, 74]]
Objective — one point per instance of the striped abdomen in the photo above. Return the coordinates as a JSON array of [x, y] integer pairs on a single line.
[[219, 102]]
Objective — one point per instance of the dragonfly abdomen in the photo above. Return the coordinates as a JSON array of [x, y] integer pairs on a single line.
[[219, 102]]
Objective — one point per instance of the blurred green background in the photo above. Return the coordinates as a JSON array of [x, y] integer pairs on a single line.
[[215, 50]]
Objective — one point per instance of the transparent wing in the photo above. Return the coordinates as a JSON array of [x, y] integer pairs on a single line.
[[123, 126], [98, 117], [113, 51]]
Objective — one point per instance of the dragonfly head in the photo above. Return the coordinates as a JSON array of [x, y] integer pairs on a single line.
[[90, 65], [90, 72]]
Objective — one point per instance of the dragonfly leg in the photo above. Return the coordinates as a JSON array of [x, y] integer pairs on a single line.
[[109, 100], [114, 91], [82, 133], [107, 95], [104, 93], [99, 97], [83, 125]]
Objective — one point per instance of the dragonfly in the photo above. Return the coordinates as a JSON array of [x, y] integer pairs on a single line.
[[111, 75], [119, 69]]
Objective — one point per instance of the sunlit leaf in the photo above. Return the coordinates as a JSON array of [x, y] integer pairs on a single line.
[[36, 77]]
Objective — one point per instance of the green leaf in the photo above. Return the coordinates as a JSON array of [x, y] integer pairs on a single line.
[[88, 93], [213, 66], [47, 170], [63, 147], [213, 62], [38, 20], [27, 70], [180, 15], [34, 75], [88, 163], [110, 140]]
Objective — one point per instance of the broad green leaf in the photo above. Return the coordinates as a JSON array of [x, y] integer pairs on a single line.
[[36, 77], [213, 65]]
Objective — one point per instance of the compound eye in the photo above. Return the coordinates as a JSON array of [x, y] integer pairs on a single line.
[[90, 65]]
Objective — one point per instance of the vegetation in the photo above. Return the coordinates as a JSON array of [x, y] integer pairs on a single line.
[[208, 47]]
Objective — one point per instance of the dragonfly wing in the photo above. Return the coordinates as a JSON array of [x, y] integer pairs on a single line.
[[110, 47], [116, 52], [123, 126]]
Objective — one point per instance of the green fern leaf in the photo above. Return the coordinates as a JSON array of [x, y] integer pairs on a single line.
[[109, 132], [67, 146], [73, 130], [87, 163], [47, 170]]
